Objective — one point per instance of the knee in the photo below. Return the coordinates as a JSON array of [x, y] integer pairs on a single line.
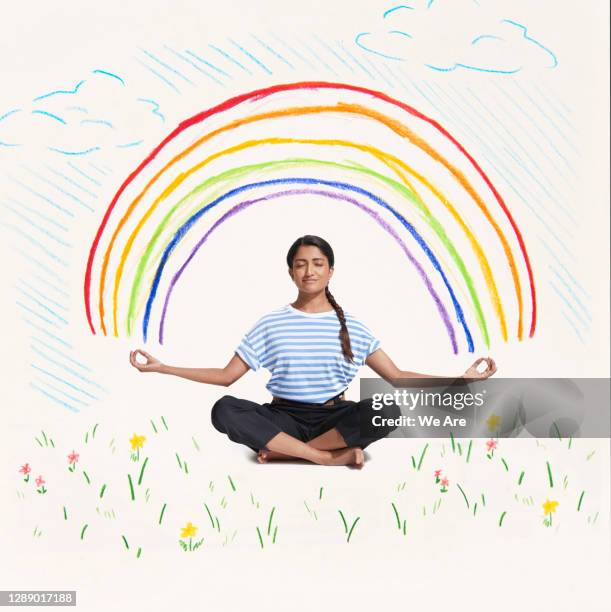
[[221, 411]]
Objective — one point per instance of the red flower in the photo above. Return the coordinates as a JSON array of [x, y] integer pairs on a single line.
[[39, 481], [445, 482], [73, 457], [437, 473], [491, 444], [25, 469]]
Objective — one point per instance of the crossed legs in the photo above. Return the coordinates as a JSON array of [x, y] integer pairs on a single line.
[[330, 441], [249, 423]]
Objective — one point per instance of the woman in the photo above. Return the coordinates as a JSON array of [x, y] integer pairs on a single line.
[[313, 350]]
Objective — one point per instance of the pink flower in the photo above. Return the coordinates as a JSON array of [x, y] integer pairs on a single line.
[[445, 482], [25, 469], [437, 473], [491, 444], [73, 457], [39, 481]]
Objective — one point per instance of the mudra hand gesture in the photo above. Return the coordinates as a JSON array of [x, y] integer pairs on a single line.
[[152, 363], [475, 374]]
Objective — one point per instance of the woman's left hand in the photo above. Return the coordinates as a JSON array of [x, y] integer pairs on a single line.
[[473, 373]]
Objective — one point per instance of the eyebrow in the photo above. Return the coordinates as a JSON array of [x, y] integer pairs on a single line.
[[315, 259]]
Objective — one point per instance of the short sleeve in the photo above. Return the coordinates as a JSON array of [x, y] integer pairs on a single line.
[[365, 342], [252, 347]]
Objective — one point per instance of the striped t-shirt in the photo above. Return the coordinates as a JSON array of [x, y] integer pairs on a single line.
[[304, 354]]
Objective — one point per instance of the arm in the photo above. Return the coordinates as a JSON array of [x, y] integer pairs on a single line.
[[235, 369], [385, 367]]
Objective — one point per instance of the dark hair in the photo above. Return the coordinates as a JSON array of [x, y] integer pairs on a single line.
[[325, 247]]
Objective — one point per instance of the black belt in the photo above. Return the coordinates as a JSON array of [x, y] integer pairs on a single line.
[[334, 400]]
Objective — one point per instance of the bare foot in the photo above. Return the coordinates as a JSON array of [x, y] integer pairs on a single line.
[[263, 456], [352, 456]]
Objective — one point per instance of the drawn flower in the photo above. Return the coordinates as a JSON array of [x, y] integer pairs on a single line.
[[72, 459], [25, 470], [491, 444], [437, 474], [549, 507], [188, 531], [445, 483], [493, 421], [137, 442], [40, 483]]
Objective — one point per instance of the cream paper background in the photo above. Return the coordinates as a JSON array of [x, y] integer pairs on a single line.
[[449, 557]]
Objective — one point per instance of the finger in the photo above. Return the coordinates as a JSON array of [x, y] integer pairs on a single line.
[[477, 362], [140, 352]]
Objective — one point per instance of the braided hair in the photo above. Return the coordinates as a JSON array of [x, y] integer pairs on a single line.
[[325, 247]]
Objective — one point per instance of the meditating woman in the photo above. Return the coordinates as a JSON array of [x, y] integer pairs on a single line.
[[313, 350]]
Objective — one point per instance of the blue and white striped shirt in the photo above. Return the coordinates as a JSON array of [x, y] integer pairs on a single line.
[[304, 354]]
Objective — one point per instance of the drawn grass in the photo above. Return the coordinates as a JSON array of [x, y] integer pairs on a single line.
[[549, 474], [422, 456], [346, 530], [521, 477], [131, 487], [502, 517], [209, 515], [125, 542], [463, 494], [269, 523], [469, 451], [102, 490], [86, 477], [83, 530], [260, 538], [142, 471], [161, 513], [580, 500], [396, 515], [233, 487]]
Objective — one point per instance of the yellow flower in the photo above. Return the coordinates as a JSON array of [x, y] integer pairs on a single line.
[[188, 530], [137, 441], [493, 421], [549, 506]]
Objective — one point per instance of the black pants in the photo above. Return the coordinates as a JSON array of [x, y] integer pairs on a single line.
[[254, 425]]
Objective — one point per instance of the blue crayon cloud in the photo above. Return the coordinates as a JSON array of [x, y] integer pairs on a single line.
[[96, 113], [445, 36]]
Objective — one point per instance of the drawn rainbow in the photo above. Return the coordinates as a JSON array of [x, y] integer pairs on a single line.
[[224, 157]]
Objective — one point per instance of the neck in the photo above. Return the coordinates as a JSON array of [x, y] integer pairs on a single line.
[[312, 303]]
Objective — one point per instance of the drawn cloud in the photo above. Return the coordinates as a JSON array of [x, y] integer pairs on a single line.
[[474, 38], [97, 113]]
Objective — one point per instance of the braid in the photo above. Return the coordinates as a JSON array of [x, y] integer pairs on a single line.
[[344, 336]]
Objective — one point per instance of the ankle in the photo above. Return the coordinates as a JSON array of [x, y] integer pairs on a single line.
[[320, 456]]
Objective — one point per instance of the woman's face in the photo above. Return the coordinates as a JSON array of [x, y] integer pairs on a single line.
[[310, 272]]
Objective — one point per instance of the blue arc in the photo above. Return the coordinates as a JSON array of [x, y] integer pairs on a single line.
[[186, 226]]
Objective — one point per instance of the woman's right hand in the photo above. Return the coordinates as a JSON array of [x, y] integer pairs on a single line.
[[152, 364]]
